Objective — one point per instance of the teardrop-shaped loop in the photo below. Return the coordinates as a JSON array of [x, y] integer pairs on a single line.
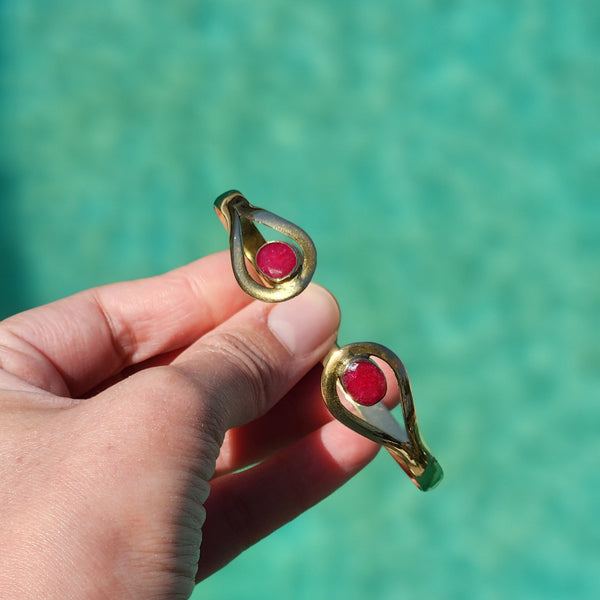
[[245, 241], [376, 422]]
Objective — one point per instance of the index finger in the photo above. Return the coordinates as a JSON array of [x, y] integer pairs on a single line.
[[70, 346]]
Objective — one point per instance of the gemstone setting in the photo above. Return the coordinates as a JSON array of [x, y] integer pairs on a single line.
[[277, 261], [364, 382]]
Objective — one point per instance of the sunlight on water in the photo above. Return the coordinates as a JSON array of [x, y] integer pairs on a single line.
[[445, 159]]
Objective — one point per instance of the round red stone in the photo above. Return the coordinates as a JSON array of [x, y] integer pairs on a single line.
[[364, 382], [276, 260]]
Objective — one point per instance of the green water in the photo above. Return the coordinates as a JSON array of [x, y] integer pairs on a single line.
[[445, 158]]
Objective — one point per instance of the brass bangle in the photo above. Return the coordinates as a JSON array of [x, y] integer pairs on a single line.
[[372, 419], [352, 384], [246, 242]]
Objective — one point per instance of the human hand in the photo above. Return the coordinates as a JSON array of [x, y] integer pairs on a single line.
[[122, 406]]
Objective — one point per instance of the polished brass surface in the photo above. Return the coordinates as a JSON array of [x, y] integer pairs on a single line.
[[406, 447], [239, 218], [374, 422]]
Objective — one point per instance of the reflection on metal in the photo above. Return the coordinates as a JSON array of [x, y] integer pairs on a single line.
[[375, 422], [245, 240], [370, 418]]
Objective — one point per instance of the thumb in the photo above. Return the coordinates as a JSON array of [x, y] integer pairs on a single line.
[[177, 415], [244, 366]]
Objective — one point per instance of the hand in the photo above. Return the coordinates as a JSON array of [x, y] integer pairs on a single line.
[[122, 406]]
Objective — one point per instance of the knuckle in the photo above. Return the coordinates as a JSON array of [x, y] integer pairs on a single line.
[[239, 516], [175, 397], [166, 383], [252, 371]]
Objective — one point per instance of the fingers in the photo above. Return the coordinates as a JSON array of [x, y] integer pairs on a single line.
[[233, 375], [72, 345], [299, 413], [245, 507]]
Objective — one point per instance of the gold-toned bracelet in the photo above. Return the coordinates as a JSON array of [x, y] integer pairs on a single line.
[[283, 270], [353, 384]]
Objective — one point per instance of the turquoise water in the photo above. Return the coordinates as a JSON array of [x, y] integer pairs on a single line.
[[445, 157]]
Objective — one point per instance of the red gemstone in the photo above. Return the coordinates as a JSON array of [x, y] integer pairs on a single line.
[[364, 381], [276, 260]]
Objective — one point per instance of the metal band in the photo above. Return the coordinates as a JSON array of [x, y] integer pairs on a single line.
[[375, 421], [239, 218]]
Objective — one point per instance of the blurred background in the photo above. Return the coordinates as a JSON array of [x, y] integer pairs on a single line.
[[445, 158]]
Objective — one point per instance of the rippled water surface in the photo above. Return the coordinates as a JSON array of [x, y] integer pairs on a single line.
[[444, 156]]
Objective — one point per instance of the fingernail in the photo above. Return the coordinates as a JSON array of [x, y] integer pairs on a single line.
[[303, 323]]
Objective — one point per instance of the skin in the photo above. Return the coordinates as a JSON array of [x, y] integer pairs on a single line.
[[126, 414]]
